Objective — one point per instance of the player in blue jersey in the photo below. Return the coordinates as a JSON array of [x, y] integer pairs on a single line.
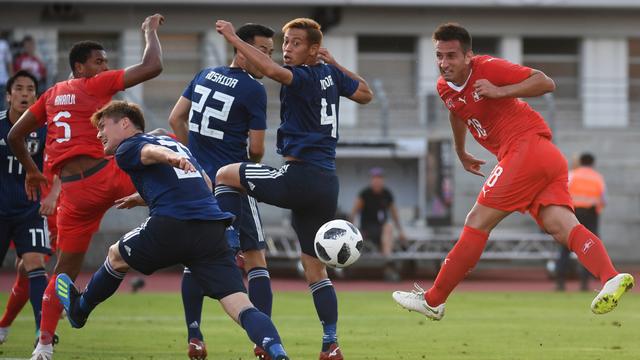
[[20, 218], [185, 226], [220, 109], [312, 83]]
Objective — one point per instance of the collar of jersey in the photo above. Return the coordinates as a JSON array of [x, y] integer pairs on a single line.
[[459, 88]]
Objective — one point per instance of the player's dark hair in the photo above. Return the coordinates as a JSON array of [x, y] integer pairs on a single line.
[[587, 159], [453, 31], [21, 73], [248, 32], [314, 35], [118, 110], [81, 51]]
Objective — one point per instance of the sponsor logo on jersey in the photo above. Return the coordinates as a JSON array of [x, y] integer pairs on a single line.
[[462, 100]]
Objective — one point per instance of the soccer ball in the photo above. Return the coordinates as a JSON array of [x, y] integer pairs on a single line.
[[338, 243]]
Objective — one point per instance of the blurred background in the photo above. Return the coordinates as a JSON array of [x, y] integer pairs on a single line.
[[590, 48]]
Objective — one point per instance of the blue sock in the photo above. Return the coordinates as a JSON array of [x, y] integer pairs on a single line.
[[102, 285], [260, 289], [326, 302], [37, 284], [262, 331], [192, 298], [229, 200]]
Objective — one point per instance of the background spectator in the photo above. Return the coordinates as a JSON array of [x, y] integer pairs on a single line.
[[6, 69], [30, 61]]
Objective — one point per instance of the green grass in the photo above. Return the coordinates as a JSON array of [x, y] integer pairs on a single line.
[[477, 326]]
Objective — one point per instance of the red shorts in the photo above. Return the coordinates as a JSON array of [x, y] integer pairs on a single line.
[[532, 174], [83, 204]]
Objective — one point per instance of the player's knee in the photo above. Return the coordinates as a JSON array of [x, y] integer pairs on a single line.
[[32, 261], [115, 259], [253, 259]]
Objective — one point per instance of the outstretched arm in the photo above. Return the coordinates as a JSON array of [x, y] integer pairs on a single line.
[[536, 84], [156, 154], [363, 94], [262, 61], [151, 65], [34, 179]]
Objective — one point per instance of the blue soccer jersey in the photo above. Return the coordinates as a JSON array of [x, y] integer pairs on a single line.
[[13, 198], [309, 113], [168, 191], [225, 104]]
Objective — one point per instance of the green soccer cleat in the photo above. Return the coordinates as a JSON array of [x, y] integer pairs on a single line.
[[69, 298], [607, 299]]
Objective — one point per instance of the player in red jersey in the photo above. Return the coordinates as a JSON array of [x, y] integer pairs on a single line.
[[90, 182], [481, 93]]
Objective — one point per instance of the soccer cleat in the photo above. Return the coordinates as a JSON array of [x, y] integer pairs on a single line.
[[4, 333], [197, 349], [415, 301], [42, 352], [69, 298], [607, 299], [260, 353], [333, 353]]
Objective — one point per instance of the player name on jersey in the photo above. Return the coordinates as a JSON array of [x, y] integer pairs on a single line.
[[221, 79], [326, 82], [65, 99]]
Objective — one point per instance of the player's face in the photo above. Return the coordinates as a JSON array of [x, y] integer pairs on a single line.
[[377, 183], [296, 49], [111, 134], [95, 64], [22, 95], [265, 45], [453, 62]]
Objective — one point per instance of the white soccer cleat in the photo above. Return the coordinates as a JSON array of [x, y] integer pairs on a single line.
[[4, 333], [607, 299], [414, 301], [42, 352]]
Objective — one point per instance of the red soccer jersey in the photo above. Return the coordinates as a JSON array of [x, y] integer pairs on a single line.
[[494, 123], [67, 107]]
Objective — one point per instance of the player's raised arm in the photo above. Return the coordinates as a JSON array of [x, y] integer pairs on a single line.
[[23, 127], [179, 119], [469, 162], [363, 94], [537, 84], [262, 61], [151, 65]]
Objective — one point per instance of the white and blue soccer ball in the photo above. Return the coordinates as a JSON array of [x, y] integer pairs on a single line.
[[338, 243]]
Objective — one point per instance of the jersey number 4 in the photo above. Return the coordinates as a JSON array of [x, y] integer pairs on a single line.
[[209, 112], [329, 119]]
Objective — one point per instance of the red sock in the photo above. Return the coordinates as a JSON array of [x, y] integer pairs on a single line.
[[459, 262], [51, 309], [591, 253], [18, 297]]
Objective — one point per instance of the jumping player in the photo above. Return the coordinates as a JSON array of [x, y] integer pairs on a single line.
[[218, 112], [91, 182], [481, 93], [185, 226], [312, 83], [20, 218]]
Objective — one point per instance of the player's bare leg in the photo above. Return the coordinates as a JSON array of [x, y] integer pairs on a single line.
[[459, 262], [561, 223]]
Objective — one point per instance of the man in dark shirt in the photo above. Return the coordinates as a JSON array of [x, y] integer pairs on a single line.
[[375, 204]]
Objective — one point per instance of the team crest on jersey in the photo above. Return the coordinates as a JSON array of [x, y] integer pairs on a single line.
[[449, 103], [476, 97], [33, 145]]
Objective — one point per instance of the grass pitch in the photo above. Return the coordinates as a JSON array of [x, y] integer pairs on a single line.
[[478, 325]]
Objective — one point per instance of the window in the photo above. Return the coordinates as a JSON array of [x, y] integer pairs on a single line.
[[556, 57], [634, 69], [486, 46]]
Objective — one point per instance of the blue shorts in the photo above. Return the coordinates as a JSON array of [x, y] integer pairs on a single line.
[[311, 193], [29, 234], [200, 245], [251, 234]]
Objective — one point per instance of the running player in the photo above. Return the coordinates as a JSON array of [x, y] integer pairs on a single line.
[[20, 219], [219, 110], [481, 93], [312, 83], [185, 226], [91, 182]]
